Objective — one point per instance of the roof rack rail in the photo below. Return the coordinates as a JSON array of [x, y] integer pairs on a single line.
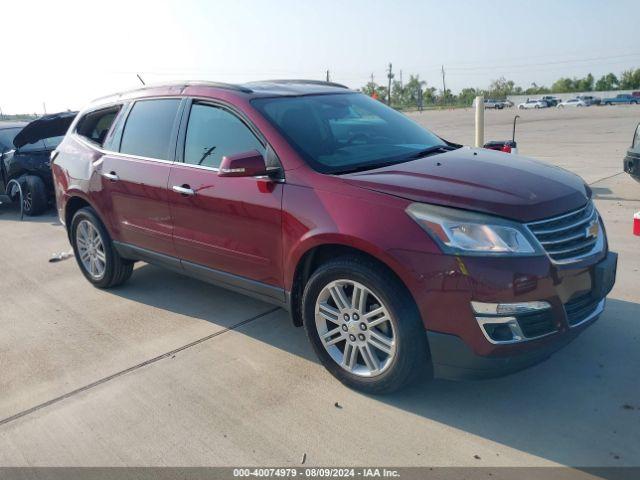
[[302, 81], [182, 84]]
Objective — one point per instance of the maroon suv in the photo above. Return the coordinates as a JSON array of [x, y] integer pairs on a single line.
[[398, 251]]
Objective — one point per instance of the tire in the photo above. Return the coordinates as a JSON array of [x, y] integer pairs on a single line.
[[116, 270], [633, 102], [408, 357], [520, 107], [34, 195]]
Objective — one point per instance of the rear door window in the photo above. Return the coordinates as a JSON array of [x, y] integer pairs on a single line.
[[150, 128]]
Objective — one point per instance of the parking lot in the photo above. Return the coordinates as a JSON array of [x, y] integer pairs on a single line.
[[166, 370]]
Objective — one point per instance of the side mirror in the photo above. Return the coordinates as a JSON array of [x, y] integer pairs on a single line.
[[247, 164]]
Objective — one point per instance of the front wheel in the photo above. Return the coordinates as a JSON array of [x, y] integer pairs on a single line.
[[364, 325], [99, 262]]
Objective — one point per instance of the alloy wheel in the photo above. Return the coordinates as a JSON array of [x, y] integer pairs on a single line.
[[91, 249], [27, 201], [355, 328]]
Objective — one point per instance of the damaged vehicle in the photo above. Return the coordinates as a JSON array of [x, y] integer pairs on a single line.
[[631, 163], [25, 157]]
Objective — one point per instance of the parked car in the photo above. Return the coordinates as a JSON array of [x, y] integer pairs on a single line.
[[28, 161], [635, 94], [621, 98], [507, 103], [551, 101], [395, 249], [533, 104], [572, 102], [631, 163], [589, 99], [495, 104]]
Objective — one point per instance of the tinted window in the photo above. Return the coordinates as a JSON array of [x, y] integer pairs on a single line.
[[213, 133], [636, 140], [149, 128], [95, 125], [343, 132], [6, 138]]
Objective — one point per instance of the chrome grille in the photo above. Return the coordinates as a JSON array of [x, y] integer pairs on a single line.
[[566, 238]]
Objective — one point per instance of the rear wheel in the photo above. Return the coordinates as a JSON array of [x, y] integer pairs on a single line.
[[34, 195], [99, 262], [364, 326]]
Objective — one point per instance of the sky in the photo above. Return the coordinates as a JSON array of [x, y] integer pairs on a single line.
[[62, 54]]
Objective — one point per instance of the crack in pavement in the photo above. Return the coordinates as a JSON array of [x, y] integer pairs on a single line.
[[606, 178], [48, 403]]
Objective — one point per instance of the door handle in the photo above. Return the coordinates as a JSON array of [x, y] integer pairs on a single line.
[[111, 176], [183, 190]]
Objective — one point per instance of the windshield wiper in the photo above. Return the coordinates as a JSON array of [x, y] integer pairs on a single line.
[[414, 156], [430, 151]]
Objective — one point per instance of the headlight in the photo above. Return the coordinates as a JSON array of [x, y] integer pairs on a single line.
[[470, 233]]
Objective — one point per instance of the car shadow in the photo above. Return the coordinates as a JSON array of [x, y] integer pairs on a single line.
[[11, 212], [579, 401]]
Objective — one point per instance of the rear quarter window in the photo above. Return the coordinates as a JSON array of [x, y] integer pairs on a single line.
[[149, 129], [95, 126]]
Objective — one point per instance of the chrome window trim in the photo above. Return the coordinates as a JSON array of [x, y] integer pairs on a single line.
[[210, 101], [92, 145]]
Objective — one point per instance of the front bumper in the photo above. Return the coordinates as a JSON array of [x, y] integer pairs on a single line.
[[471, 355], [453, 359]]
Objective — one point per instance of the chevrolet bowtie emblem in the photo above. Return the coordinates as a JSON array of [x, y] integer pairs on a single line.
[[593, 229]]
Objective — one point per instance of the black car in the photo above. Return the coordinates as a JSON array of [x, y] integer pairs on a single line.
[[632, 160], [25, 152]]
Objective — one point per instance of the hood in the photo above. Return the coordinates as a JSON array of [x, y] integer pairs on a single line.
[[481, 180], [47, 126]]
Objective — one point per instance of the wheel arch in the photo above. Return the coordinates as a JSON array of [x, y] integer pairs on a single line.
[[74, 202], [318, 253]]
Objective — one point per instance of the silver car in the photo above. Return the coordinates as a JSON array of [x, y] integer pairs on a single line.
[[532, 104]]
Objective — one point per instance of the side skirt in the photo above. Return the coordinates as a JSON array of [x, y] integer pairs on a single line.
[[236, 283]]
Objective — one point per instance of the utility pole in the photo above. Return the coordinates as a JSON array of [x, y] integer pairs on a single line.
[[390, 76], [328, 78], [44, 107], [444, 86], [372, 77], [401, 84], [480, 121], [1, 114]]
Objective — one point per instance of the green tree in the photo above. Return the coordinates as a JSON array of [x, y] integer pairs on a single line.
[[630, 79], [500, 88], [534, 89], [467, 95], [607, 82], [564, 85]]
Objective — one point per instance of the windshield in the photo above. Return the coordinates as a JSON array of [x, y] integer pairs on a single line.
[[338, 133], [6, 138]]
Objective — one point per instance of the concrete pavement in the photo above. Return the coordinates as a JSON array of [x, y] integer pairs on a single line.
[[170, 371]]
